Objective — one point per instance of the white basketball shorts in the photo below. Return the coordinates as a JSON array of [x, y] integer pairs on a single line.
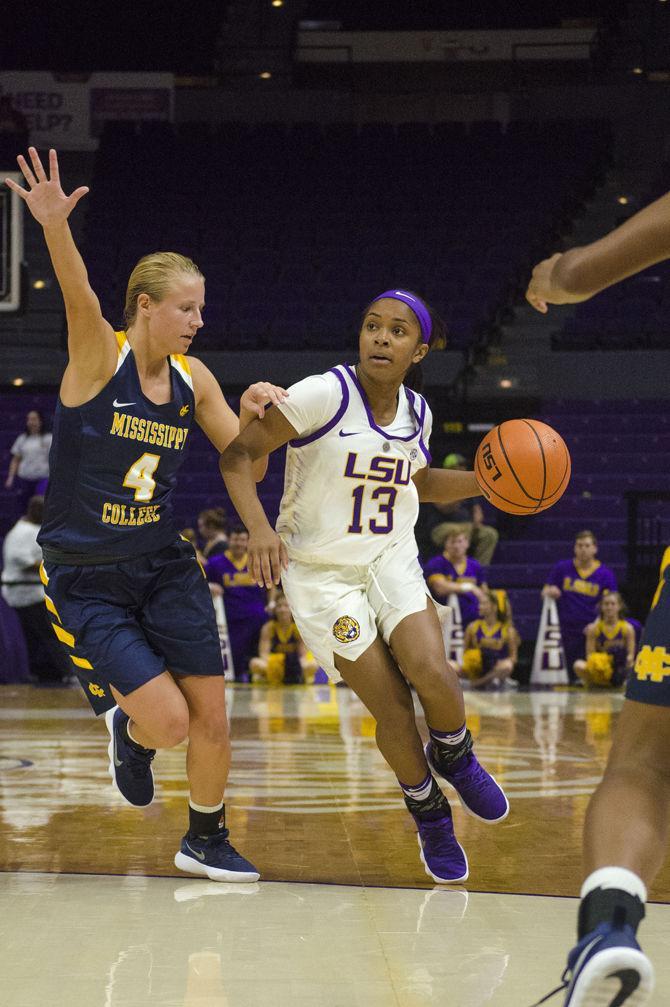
[[342, 609]]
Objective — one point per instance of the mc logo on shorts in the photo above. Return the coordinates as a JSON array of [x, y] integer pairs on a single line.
[[346, 629], [95, 690], [652, 664]]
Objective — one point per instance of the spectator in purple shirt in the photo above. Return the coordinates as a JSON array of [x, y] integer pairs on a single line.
[[578, 584], [244, 601], [454, 572]]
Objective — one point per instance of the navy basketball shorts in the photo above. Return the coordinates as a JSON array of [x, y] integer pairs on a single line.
[[649, 682], [124, 624]]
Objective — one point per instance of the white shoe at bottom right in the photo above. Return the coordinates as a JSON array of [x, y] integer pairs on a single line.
[[607, 969]]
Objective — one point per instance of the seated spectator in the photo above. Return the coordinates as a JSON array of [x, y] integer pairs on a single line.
[[578, 584], [462, 514], [491, 644], [22, 590], [282, 656], [244, 601], [213, 528], [29, 467], [454, 572], [610, 646]]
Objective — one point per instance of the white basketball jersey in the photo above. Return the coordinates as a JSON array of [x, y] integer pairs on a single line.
[[348, 489]]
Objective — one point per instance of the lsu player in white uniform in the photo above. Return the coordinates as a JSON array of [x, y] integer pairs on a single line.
[[356, 470]]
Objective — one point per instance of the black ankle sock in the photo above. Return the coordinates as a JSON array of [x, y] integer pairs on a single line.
[[434, 806], [203, 824], [129, 741], [449, 754], [609, 905]]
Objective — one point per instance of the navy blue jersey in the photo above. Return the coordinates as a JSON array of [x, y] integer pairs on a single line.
[[113, 468]]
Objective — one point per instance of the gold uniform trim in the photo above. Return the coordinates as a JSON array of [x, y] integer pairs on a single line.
[[81, 662], [665, 562], [43, 575], [63, 635], [195, 553], [182, 366], [51, 607], [123, 349], [181, 361]]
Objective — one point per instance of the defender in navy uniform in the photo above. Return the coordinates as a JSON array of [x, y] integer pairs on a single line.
[[126, 595], [626, 830]]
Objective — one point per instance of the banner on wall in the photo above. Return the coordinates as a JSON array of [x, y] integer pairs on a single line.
[[69, 115]]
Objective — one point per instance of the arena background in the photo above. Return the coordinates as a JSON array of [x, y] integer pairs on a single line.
[[307, 155]]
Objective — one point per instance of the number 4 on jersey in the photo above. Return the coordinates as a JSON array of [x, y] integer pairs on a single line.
[[139, 477]]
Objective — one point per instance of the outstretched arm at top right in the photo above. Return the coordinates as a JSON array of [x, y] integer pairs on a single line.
[[91, 343], [267, 553], [578, 274]]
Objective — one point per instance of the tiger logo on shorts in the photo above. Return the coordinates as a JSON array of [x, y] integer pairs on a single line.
[[346, 629]]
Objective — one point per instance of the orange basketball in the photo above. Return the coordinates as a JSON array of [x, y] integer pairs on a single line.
[[522, 466]]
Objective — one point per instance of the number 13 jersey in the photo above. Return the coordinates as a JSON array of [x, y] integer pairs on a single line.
[[113, 467], [348, 489]]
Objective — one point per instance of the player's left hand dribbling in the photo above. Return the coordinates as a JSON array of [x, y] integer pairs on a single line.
[[260, 395]]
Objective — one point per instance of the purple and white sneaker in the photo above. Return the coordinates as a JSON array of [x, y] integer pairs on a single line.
[[441, 854], [479, 792]]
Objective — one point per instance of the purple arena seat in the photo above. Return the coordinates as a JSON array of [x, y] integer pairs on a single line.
[[300, 203]]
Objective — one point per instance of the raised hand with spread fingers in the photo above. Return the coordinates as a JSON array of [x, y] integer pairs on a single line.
[[44, 196]]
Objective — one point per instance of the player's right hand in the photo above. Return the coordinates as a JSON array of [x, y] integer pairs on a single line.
[[267, 557], [541, 291], [44, 196]]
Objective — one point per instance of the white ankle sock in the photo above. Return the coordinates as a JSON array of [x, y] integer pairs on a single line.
[[203, 809], [615, 877]]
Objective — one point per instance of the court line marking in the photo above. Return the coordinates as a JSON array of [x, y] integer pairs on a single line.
[[331, 884]]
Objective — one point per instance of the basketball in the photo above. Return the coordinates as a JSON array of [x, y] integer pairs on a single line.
[[522, 466]]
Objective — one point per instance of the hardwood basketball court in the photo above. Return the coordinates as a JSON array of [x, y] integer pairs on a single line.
[[94, 912]]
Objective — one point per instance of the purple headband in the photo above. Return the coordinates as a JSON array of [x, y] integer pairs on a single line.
[[417, 306]]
